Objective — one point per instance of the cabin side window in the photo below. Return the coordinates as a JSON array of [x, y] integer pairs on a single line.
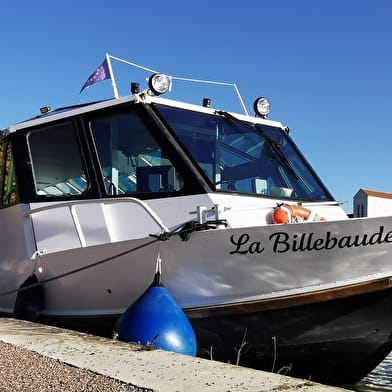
[[9, 189], [130, 158], [56, 160]]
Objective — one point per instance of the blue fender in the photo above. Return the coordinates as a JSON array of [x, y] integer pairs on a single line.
[[155, 319]]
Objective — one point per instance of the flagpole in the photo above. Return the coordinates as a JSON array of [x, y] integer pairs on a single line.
[[114, 86]]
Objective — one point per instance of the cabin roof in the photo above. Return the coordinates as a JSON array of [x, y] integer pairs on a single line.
[[75, 110], [68, 112]]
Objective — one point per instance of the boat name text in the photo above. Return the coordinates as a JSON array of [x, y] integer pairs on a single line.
[[282, 242]]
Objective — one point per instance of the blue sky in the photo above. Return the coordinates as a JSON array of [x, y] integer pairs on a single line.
[[326, 67]]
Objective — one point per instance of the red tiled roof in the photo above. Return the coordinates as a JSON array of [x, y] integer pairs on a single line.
[[384, 195]]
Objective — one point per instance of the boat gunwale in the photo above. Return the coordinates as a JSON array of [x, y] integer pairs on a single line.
[[289, 301]]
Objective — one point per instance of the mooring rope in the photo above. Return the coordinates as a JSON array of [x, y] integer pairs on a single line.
[[183, 231]]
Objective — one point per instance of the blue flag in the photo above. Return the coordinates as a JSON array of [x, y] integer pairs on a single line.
[[101, 73]]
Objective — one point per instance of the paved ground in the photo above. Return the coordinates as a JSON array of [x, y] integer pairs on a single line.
[[25, 371], [56, 360]]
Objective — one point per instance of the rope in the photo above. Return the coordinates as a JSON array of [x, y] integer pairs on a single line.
[[77, 269], [183, 231]]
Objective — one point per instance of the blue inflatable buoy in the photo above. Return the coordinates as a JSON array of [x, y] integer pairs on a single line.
[[156, 319]]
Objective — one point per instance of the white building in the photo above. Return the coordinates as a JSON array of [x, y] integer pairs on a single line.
[[372, 203]]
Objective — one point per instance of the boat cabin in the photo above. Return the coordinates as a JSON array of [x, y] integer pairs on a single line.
[[151, 148]]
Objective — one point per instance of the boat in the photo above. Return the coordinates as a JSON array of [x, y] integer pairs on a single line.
[[265, 263]]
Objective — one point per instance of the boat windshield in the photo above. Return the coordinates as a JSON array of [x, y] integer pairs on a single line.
[[245, 157]]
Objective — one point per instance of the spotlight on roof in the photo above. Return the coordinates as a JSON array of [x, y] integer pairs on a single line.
[[159, 83], [262, 107]]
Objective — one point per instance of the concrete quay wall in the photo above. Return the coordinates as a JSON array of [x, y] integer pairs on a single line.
[[147, 370]]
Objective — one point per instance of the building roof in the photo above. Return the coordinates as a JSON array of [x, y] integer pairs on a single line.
[[384, 195]]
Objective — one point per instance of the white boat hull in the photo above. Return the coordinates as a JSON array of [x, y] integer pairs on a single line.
[[300, 295], [219, 266]]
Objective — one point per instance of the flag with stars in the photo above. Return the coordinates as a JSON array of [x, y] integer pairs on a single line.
[[101, 73]]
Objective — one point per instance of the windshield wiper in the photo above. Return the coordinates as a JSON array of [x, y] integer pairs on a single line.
[[276, 147]]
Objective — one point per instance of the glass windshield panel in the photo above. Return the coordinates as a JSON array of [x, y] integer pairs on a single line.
[[244, 157], [57, 160], [131, 160]]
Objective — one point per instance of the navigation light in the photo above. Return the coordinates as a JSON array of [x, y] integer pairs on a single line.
[[206, 102], [44, 109], [135, 88]]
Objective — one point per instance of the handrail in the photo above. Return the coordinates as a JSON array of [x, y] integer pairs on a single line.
[[321, 203], [273, 205], [71, 204]]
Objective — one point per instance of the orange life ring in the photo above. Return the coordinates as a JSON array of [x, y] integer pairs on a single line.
[[286, 213]]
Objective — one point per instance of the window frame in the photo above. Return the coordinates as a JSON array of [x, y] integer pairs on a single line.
[[193, 183], [112, 186], [51, 127], [11, 196]]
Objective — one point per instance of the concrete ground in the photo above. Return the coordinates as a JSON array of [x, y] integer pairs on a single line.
[[155, 370]]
